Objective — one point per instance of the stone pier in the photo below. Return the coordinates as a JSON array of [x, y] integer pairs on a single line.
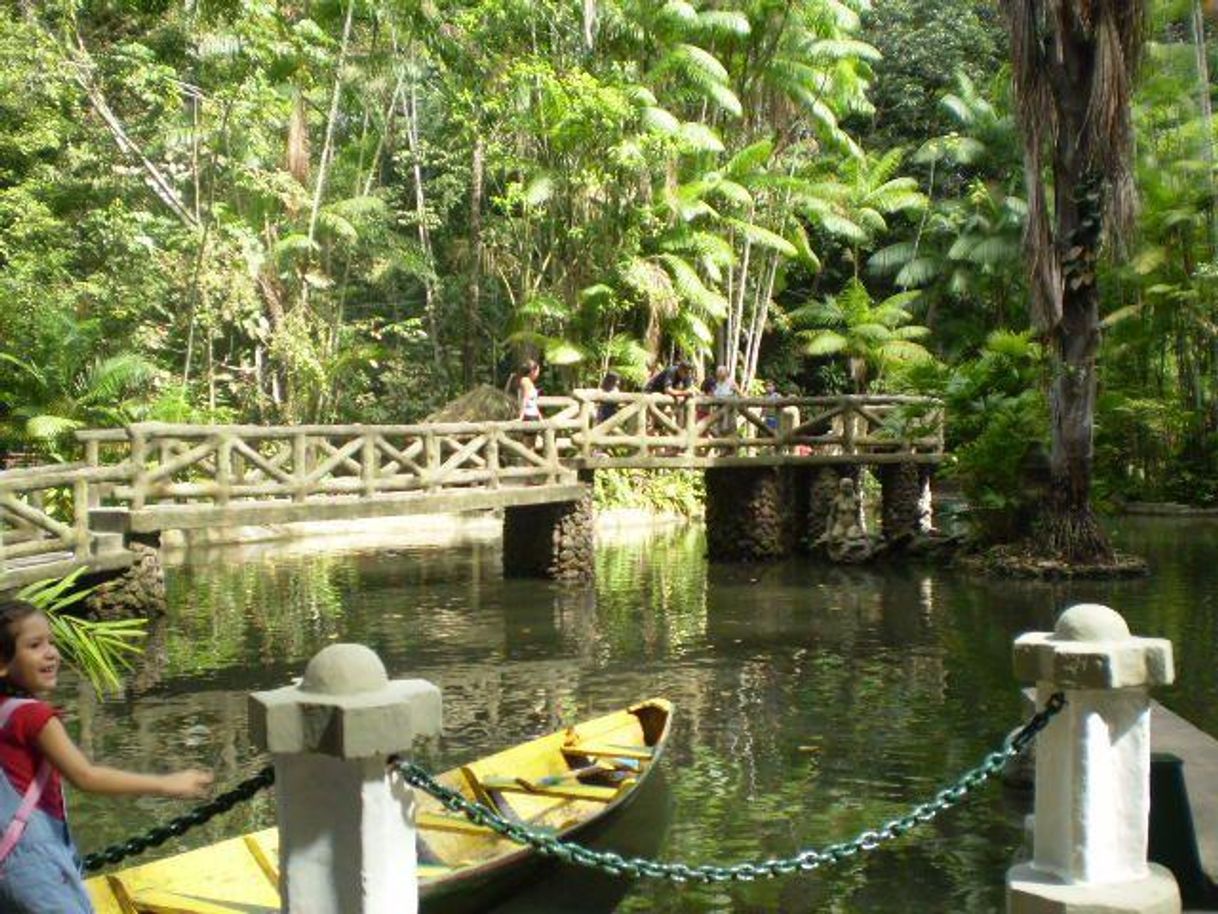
[[137, 591], [905, 505], [1091, 822], [552, 540], [750, 514]]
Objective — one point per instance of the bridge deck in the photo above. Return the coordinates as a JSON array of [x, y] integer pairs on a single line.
[[149, 477]]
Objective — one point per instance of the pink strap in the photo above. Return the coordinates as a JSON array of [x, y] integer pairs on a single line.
[[33, 793], [10, 705]]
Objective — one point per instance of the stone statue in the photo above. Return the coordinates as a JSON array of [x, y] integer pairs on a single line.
[[845, 537]]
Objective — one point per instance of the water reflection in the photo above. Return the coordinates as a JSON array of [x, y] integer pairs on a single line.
[[812, 702]]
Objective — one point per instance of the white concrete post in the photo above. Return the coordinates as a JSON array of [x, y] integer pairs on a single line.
[[1092, 770], [346, 824]]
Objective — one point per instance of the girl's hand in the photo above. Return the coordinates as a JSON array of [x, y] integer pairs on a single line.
[[189, 784]]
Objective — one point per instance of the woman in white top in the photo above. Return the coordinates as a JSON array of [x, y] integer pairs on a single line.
[[725, 387], [526, 390]]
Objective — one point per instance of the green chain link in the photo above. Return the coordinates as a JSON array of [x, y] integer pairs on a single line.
[[804, 861], [607, 861], [182, 824]]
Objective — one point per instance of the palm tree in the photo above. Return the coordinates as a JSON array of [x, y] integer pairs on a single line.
[[1073, 74], [871, 336]]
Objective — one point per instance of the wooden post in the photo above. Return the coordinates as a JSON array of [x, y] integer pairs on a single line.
[[368, 465], [431, 452], [300, 466], [93, 459], [848, 420], [139, 467], [224, 469], [587, 419], [80, 517], [492, 457], [551, 455], [641, 423], [691, 427]]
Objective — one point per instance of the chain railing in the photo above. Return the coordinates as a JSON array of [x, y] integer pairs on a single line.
[[182, 824], [608, 861], [804, 861]]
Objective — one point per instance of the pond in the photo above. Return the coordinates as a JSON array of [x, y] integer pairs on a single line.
[[812, 702]]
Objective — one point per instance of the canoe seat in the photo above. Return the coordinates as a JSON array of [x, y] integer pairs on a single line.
[[441, 822], [608, 750], [571, 791]]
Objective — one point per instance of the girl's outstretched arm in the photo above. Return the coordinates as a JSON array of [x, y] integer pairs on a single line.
[[61, 752]]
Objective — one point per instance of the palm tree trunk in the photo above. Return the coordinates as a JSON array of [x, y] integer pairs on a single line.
[[1068, 524]]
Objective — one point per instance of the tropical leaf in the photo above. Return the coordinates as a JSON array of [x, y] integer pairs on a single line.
[[822, 342], [763, 237], [700, 138], [724, 22]]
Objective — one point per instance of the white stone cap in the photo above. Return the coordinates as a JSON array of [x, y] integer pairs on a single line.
[[1091, 648], [345, 706]]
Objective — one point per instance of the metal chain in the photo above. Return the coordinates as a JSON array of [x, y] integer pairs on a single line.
[[803, 861], [182, 824]]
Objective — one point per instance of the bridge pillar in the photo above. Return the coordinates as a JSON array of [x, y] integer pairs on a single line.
[[750, 513], [554, 540], [136, 591], [905, 505]]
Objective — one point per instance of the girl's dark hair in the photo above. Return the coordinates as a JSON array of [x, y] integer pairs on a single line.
[[610, 380], [12, 612], [525, 369]]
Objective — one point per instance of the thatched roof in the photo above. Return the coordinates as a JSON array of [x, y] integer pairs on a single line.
[[482, 404]]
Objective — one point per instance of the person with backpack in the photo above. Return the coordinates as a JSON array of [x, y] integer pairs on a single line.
[[40, 871]]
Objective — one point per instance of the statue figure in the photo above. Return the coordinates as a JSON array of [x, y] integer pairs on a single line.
[[845, 537]]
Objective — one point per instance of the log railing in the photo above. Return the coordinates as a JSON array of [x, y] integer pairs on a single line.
[[654, 429], [46, 510]]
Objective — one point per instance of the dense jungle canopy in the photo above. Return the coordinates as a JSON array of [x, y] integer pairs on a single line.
[[358, 210]]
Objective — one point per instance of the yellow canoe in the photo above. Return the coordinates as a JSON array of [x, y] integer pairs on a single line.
[[564, 783]]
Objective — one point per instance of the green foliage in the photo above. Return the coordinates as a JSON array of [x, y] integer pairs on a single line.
[[99, 650], [678, 492], [871, 336], [997, 418]]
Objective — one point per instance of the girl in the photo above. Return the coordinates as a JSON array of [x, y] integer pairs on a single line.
[[526, 390], [39, 869]]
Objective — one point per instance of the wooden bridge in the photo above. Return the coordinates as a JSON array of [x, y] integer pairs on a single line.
[[149, 477]]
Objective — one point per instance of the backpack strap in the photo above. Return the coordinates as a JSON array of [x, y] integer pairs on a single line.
[[16, 828]]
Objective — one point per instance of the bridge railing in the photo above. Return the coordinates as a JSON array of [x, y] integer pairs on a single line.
[[44, 510], [619, 427], [219, 465]]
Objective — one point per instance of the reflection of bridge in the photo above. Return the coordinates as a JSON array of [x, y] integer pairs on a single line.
[[149, 477]]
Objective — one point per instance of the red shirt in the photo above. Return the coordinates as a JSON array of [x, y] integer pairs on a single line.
[[20, 755]]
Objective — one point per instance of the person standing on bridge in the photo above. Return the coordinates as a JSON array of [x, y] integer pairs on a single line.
[[39, 867], [525, 388]]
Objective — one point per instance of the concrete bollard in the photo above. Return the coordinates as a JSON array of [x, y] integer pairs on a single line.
[[1092, 770], [346, 825]]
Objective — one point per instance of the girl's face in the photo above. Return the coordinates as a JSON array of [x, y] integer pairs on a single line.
[[35, 662]]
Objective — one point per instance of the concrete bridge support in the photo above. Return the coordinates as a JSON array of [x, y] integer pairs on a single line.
[[553, 540], [753, 513], [905, 505], [133, 592]]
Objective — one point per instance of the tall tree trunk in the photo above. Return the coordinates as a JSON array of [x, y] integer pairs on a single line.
[[1068, 523], [473, 301], [1207, 118]]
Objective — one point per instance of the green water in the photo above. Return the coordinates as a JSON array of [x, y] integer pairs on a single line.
[[812, 702]]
